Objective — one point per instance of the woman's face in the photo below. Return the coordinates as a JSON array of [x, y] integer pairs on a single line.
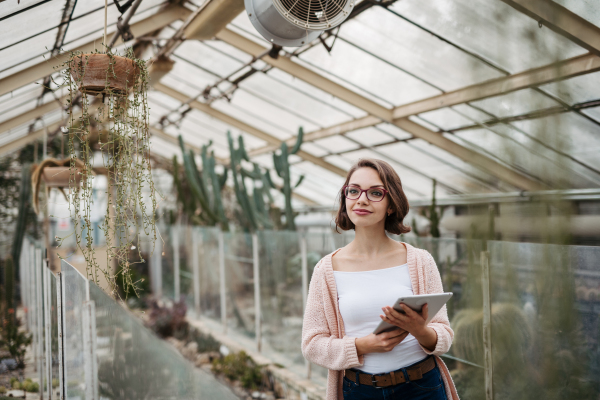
[[362, 211]]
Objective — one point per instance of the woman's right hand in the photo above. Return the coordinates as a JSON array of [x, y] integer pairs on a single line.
[[381, 343]]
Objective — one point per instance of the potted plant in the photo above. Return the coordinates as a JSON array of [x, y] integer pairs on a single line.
[[111, 92]]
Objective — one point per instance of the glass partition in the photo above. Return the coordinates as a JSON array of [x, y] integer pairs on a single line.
[[239, 282], [545, 324]]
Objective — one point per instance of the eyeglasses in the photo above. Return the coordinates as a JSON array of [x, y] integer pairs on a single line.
[[373, 194]]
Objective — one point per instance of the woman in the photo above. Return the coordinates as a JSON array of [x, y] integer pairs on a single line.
[[352, 290]]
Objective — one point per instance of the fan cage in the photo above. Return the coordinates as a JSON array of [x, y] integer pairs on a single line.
[[314, 14]]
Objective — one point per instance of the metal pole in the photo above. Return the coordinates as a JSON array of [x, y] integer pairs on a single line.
[[222, 282], [40, 319], [196, 268], [303, 252], [65, 377], [88, 314], [487, 328], [59, 322], [177, 277], [256, 272], [48, 341]]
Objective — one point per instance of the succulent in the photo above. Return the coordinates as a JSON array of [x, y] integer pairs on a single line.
[[205, 186], [282, 167]]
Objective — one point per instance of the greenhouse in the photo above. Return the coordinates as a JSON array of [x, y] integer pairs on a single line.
[[199, 199]]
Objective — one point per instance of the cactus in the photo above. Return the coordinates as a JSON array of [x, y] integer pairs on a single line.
[[432, 215], [24, 205], [9, 287], [255, 210], [205, 187], [282, 167]]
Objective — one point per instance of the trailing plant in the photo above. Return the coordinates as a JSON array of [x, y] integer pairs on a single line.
[[205, 205], [125, 150]]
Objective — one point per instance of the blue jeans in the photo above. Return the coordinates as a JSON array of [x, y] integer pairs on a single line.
[[429, 387]]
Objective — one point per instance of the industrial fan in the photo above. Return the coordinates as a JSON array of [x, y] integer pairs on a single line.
[[296, 22]]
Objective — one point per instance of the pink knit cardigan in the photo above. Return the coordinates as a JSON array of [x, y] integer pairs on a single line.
[[324, 341]]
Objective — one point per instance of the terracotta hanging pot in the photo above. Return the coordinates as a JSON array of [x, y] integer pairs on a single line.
[[95, 74], [55, 174]]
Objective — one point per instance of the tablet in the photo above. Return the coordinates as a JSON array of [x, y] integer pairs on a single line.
[[416, 302]]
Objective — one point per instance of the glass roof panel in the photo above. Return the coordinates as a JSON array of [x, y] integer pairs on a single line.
[[390, 85], [316, 93], [228, 51], [491, 29], [337, 144], [592, 112], [268, 126], [17, 109], [319, 113], [207, 57], [15, 56], [370, 136], [19, 96], [432, 167], [516, 103], [446, 118], [587, 9], [315, 150], [267, 110], [415, 50], [572, 133], [576, 90], [41, 18], [474, 173], [12, 7], [394, 131], [340, 161], [85, 25]]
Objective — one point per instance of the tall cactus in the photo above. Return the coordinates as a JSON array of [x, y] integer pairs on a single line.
[[205, 186], [256, 211], [24, 206], [282, 167], [9, 287]]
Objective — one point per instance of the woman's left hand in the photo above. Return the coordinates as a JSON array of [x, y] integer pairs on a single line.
[[412, 322]]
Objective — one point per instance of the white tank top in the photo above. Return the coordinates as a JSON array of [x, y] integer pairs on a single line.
[[361, 296]]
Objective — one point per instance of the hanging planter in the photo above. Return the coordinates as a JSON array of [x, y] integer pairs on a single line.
[[104, 73], [121, 114]]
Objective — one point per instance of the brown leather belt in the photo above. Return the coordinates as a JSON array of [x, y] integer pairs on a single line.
[[392, 378]]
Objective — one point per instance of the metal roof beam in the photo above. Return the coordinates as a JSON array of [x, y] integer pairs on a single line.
[[38, 71], [205, 108], [561, 21]]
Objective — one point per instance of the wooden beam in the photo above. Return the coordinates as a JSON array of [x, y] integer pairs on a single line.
[[562, 21], [213, 17], [205, 108], [573, 67], [44, 68], [30, 115], [33, 136], [305, 74], [570, 68], [491, 166]]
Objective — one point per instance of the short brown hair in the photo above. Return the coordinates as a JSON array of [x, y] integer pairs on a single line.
[[391, 182]]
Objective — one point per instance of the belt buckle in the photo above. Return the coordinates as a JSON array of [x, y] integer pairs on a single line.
[[374, 382]]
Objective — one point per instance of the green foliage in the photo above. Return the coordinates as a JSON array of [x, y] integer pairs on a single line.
[[432, 215], [239, 367], [282, 167], [255, 211], [14, 340], [206, 342], [205, 205], [125, 148], [3, 389], [9, 288]]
